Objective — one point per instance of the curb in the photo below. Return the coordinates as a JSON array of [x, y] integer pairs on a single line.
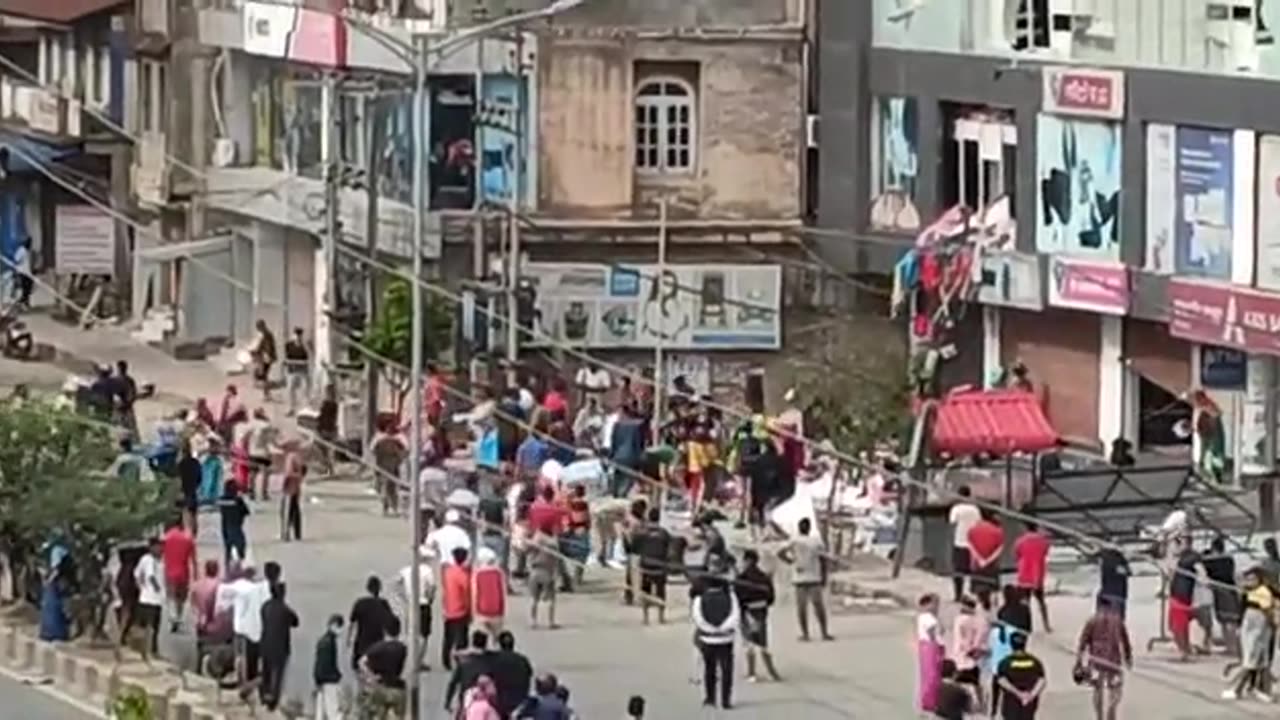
[[859, 589], [94, 683]]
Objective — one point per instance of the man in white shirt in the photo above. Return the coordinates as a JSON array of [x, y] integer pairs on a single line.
[[250, 594], [963, 516], [592, 382], [443, 540], [426, 596], [150, 598], [262, 440]]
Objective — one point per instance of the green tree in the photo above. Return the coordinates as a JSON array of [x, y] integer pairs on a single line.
[[390, 335], [54, 484]]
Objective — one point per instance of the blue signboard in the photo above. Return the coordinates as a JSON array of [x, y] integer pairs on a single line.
[[1222, 368], [1203, 195]]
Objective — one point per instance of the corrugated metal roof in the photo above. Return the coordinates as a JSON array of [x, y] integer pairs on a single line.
[[995, 422], [57, 11]]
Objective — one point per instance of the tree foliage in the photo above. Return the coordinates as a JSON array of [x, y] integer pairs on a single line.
[[54, 485], [390, 334], [854, 387]]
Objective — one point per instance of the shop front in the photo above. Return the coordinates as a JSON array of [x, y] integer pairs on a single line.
[[1237, 335], [1160, 375]]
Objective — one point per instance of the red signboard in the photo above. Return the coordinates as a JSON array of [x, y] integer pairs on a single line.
[[1084, 91], [1224, 315]]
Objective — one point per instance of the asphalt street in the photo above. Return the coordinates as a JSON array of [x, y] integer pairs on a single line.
[[604, 653], [19, 701]]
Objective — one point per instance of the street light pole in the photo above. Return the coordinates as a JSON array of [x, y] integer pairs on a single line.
[[513, 219], [416, 349], [659, 347]]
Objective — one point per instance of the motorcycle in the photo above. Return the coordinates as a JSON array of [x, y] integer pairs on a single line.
[[16, 340]]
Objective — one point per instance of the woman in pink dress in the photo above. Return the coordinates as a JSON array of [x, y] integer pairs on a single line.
[[929, 652], [479, 703]]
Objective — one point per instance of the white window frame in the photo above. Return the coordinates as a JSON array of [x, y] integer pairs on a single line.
[[152, 94], [991, 138], [51, 68], [663, 103], [97, 75]]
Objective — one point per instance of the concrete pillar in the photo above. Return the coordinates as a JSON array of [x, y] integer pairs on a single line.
[[1111, 379], [991, 348], [1257, 446]]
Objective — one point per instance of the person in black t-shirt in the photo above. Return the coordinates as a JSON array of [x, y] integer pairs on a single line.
[[653, 546], [1022, 680], [1181, 601], [382, 687], [371, 621], [1014, 613], [1113, 578], [954, 699]]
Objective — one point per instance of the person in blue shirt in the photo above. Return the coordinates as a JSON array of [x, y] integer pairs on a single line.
[[534, 450]]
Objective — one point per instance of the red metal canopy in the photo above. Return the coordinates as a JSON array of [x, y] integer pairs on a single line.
[[993, 422]]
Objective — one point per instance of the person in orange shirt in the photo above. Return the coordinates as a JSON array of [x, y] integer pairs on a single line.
[[489, 593], [455, 586], [295, 470]]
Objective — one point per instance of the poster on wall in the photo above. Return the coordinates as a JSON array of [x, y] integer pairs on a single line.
[[84, 240], [1268, 230], [1203, 195], [896, 164], [1078, 167], [702, 307], [1161, 187]]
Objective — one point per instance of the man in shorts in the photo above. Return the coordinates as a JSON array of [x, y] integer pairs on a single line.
[[653, 547], [179, 553], [1104, 651], [544, 567], [150, 598]]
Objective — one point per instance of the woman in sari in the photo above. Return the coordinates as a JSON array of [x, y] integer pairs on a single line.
[[929, 652]]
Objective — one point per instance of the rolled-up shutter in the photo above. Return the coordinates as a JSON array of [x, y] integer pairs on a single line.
[[1157, 356]]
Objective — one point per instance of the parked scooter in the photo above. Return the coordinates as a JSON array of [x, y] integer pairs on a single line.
[[16, 340]]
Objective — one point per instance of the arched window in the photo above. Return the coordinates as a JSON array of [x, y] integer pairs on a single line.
[[665, 127]]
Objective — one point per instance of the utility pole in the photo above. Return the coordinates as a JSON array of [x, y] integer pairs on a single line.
[[420, 141], [375, 137], [325, 346], [513, 218], [659, 348]]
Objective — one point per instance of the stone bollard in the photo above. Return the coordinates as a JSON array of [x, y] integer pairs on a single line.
[[68, 670], [10, 645], [48, 660], [26, 652], [91, 680]]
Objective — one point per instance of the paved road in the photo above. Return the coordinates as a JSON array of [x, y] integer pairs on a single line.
[[23, 702], [605, 654]]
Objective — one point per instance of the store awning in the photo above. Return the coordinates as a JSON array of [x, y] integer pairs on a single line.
[[991, 422], [22, 154]]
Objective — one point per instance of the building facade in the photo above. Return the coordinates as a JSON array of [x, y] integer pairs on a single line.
[[65, 82], [1117, 166], [562, 136]]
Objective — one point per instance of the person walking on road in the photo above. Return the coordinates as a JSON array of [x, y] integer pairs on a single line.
[[1103, 653], [513, 674], [425, 601], [263, 352], [297, 369], [179, 553], [809, 576], [1022, 681], [489, 593], [929, 654], [147, 574], [382, 688], [986, 545], [1256, 637], [1032, 553], [544, 564], [295, 472], [232, 511], [716, 618], [327, 672], [652, 544], [371, 616], [278, 623], [754, 589], [455, 584]]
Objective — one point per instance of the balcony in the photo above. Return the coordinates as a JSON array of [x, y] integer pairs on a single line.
[[154, 17], [328, 40], [1207, 36], [39, 109]]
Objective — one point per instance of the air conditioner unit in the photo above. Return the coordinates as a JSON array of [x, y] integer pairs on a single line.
[[1231, 33], [811, 124], [224, 152]]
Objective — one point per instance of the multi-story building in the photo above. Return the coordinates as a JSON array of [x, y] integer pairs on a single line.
[[64, 75], [564, 135], [1118, 160]]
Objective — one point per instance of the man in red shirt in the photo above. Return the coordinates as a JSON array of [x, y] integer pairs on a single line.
[[546, 515], [1032, 553], [455, 608], [179, 554], [986, 544]]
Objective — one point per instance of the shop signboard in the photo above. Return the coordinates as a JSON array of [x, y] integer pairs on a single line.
[[1092, 286], [1222, 368], [1088, 92], [294, 33], [1204, 202], [1223, 315], [84, 241], [687, 307]]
